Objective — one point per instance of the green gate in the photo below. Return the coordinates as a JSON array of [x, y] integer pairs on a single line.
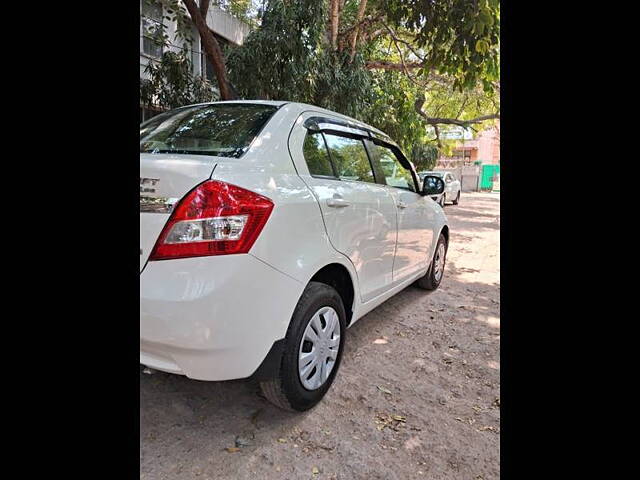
[[489, 174]]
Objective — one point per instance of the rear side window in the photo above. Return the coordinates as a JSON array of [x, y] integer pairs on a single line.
[[349, 158], [394, 173], [315, 153], [223, 130]]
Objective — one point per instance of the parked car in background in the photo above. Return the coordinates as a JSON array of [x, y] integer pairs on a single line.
[[452, 188], [266, 230]]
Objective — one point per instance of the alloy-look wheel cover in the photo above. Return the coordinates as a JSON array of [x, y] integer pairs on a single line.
[[319, 348]]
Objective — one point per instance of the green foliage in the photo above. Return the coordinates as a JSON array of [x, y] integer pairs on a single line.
[[392, 109], [340, 85], [171, 83], [243, 10], [286, 59], [460, 38], [279, 60], [424, 156]]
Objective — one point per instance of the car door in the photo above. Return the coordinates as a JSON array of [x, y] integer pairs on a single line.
[[359, 214], [416, 214]]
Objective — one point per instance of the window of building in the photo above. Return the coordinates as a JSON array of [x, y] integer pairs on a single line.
[[152, 31], [349, 158]]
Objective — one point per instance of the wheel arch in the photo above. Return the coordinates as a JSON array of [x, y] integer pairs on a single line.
[[445, 231], [339, 277]]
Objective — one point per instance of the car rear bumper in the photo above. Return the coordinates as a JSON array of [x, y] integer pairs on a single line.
[[213, 318]]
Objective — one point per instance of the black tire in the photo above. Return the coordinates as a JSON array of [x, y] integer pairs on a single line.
[[442, 200], [457, 200], [286, 390], [429, 280]]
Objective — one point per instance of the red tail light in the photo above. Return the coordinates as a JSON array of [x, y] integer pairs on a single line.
[[215, 218]]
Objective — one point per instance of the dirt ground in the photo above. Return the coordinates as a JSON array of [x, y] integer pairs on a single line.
[[417, 394]]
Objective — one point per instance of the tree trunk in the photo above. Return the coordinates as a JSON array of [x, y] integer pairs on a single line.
[[354, 37], [211, 46], [334, 24]]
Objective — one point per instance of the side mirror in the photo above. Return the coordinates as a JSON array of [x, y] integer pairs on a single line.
[[432, 185]]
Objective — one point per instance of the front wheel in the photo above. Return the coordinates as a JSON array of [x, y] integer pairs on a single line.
[[442, 200], [312, 351], [457, 200], [432, 279]]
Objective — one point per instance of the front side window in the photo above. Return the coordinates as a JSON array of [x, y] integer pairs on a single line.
[[152, 28], [213, 129], [349, 158], [315, 153], [395, 174]]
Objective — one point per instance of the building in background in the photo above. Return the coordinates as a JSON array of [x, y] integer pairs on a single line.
[[484, 149], [226, 28], [475, 161]]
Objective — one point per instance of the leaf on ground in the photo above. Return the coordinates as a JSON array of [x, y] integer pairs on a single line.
[[380, 341], [315, 470], [232, 449], [384, 420], [384, 390]]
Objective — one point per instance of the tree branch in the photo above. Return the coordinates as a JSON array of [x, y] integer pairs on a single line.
[[211, 48], [385, 65], [354, 36], [455, 121], [435, 121], [204, 8]]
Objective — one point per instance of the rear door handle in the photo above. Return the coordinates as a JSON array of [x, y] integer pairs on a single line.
[[337, 203], [402, 205]]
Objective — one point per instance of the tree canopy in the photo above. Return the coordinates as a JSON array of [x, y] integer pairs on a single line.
[[408, 67]]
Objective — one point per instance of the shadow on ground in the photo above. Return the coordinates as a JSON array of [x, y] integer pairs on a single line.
[[439, 359]]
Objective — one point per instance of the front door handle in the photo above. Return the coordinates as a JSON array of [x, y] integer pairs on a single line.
[[337, 203], [401, 204]]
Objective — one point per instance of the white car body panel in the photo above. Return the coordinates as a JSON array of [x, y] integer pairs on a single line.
[[451, 187], [216, 317], [365, 230]]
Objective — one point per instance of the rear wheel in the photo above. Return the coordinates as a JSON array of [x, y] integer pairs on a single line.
[[432, 279], [312, 351], [457, 200]]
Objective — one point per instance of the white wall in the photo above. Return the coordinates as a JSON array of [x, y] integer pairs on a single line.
[[218, 21]]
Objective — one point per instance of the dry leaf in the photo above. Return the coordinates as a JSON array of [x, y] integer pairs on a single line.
[[232, 449]]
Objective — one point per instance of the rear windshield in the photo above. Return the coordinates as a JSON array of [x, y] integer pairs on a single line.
[[220, 130]]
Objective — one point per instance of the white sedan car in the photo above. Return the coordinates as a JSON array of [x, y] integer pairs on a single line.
[[266, 230], [452, 187]]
